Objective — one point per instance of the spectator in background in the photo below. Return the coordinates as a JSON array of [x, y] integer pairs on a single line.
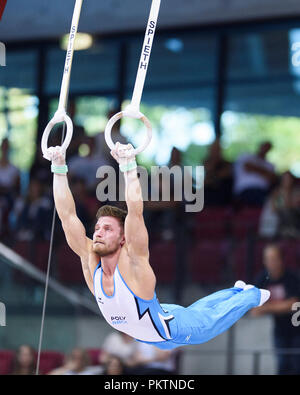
[[286, 203], [218, 177], [152, 360], [120, 345], [86, 167], [135, 357], [9, 174], [9, 187], [33, 214], [25, 361], [281, 212], [114, 366], [284, 286], [77, 363], [254, 177], [40, 169], [164, 217]]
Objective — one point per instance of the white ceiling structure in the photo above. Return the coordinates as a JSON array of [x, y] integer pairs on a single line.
[[41, 19]]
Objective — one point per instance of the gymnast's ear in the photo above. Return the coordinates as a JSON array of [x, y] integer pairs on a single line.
[[123, 239]]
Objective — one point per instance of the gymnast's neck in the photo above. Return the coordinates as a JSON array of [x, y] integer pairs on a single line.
[[109, 262]]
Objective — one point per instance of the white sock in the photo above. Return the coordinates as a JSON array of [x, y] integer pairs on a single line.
[[240, 284], [264, 294]]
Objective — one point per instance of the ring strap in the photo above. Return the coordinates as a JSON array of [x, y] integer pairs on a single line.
[[64, 90], [145, 55]]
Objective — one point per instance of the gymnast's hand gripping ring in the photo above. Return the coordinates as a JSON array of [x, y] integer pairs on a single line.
[[130, 114], [59, 116]]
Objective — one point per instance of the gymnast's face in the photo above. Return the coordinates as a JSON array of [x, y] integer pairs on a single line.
[[108, 236]]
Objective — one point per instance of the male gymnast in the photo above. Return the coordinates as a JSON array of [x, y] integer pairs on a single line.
[[117, 271]]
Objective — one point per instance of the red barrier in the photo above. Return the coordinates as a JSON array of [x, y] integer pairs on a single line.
[[2, 7]]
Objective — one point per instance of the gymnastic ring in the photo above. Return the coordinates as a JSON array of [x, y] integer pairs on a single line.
[[130, 114], [58, 118]]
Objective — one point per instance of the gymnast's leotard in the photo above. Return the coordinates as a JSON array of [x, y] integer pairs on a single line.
[[168, 326]]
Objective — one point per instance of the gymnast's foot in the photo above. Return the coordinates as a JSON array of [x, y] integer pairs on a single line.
[[240, 284], [264, 294]]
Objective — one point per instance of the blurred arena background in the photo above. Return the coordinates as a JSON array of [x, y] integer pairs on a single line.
[[221, 81]]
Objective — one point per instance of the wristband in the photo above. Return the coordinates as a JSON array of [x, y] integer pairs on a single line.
[[59, 169], [129, 166]]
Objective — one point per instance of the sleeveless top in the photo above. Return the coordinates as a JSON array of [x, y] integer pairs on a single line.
[[141, 319]]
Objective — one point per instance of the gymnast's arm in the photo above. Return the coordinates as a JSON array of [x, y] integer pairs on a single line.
[[73, 228], [136, 234]]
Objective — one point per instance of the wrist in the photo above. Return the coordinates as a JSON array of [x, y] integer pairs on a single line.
[[128, 166], [59, 169], [59, 162]]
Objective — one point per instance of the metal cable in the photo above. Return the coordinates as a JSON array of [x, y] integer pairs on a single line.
[[47, 278]]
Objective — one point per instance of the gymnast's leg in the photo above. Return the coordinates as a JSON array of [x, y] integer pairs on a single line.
[[207, 301], [214, 314], [216, 297]]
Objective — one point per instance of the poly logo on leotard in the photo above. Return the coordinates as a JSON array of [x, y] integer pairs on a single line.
[[118, 320]]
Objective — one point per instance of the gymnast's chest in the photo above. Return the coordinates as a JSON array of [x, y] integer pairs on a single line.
[[108, 285]]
